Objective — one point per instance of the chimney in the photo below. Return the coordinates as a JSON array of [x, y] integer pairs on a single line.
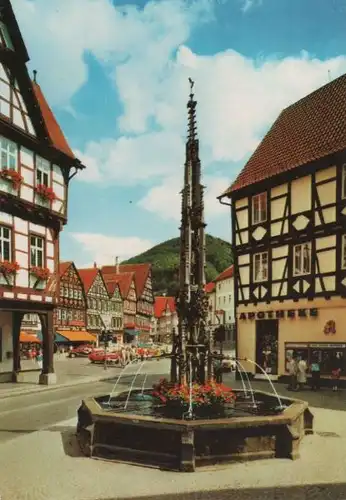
[[95, 265], [117, 265]]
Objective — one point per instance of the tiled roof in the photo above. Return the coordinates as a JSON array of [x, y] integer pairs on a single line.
[[227, 273], [88, 276], [111, 286], [162, 303], [209, 287], [171, 304], [141, 272], [124, 281], [55, 133], [307, 130], [63, 266]]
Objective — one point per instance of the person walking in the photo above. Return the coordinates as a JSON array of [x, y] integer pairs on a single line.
[[217, 368], [293, 371], [315, 374], [301, 374], [39, 358]]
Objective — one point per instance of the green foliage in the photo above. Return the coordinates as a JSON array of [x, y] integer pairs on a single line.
[[165, 262]]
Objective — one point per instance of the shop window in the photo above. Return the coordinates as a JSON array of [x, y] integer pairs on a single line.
[[260, 266], [302, 259], [259, 208]]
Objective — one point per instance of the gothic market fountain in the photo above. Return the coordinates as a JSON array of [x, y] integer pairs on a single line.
[[190, 421]]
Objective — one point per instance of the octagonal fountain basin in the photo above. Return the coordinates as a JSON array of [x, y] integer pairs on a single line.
[[144, 434]]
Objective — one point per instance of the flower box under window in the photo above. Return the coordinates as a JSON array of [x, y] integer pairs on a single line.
[[39, 277], [8, 271], [45, 193], [12, 176]]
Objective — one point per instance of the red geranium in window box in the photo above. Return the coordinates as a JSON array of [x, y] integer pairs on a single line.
[[41, 273], [11, 176], [9, 268], [45, 192]]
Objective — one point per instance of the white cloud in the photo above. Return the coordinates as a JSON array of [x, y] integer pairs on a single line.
[[249, 4], [103, 249], [165, 199]]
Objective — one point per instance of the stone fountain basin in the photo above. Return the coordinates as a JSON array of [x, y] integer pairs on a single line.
[[185, 445]]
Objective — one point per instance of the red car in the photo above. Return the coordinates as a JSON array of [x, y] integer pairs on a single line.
[[99, 357], [81, 350]]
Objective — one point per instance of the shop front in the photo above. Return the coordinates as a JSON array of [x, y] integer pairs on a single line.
[[268, 335]]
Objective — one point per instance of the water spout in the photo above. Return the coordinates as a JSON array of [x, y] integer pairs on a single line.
[[133, 383], [281, 406], [254, 404], [143, 385], [118, 379], [241, 376], [189, 413]]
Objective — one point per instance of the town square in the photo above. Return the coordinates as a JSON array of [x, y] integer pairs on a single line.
[[172, 249]]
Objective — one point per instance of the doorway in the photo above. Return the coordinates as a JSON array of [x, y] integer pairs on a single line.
[[267, 332]]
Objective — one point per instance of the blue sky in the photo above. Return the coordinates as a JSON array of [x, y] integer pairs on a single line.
[[116, 76]]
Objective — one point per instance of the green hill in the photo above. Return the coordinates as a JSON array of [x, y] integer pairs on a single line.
[[165, 262]]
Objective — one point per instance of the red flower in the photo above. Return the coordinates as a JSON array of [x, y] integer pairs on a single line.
[[45, 192], [9, 268], [41, 273], [12, 176]]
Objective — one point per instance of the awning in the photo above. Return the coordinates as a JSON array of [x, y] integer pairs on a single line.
[[131, 332], [75, 336], [29, 338]]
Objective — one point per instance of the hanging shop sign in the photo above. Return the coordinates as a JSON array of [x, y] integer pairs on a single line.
[[330, 328], [290, 313]]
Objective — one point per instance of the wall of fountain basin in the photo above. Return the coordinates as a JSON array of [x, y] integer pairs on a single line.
[[184, 445]]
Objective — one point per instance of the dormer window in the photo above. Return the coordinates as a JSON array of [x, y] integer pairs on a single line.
[[42, 171], [343, 193], [259, 208]]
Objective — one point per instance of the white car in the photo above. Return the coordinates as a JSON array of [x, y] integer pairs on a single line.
[[229, 364]]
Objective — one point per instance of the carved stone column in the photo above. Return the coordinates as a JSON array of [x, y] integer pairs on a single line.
[[17, 317], [48, 375]]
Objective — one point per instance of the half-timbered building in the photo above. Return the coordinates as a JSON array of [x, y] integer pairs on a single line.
[[99, 316], [116, 310], [144, 294], [289, 238], [36, 165], [166, 319], [70, 313]]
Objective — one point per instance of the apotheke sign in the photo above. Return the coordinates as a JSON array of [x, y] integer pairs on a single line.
[[290, 313]]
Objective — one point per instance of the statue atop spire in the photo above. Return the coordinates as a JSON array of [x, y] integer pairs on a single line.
[[192, 343]]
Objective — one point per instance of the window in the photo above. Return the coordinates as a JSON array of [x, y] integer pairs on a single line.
[[343, 193], [63, 314], [230, 298], [36, 251], [259, 208], [42, 171], [343, 252], [302, 259], [5, 243], [260, 267], [9, 154]]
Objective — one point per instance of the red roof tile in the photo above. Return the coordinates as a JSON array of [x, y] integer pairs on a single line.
[[227, 273], [88, 277], [307, 130], [209, 287], [63, 266], [160, 306], [141, 272], [124, 281], [55, 133], [171, 304], [111, 287]]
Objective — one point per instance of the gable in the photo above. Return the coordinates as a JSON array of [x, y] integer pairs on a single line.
[[12, 104]]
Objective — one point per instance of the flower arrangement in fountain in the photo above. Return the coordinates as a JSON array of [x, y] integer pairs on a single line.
[[207, 396], [40, 273], [12, 176], [45, 192]]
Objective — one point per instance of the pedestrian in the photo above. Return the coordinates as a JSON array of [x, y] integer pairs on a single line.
[[336, 371], [301, 375], [39, 358], [217, 368], [293, 372], [315, 374]]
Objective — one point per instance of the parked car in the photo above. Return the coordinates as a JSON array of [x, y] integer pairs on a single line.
[[80, 351], [99, 357], [228, 364]]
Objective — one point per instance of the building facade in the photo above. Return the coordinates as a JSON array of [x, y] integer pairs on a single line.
[[70, 312], [116, 310], [224, 304], [98, 314], [144, 293], [289, 237], [211, 294], [166, 319], [36, 165]]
